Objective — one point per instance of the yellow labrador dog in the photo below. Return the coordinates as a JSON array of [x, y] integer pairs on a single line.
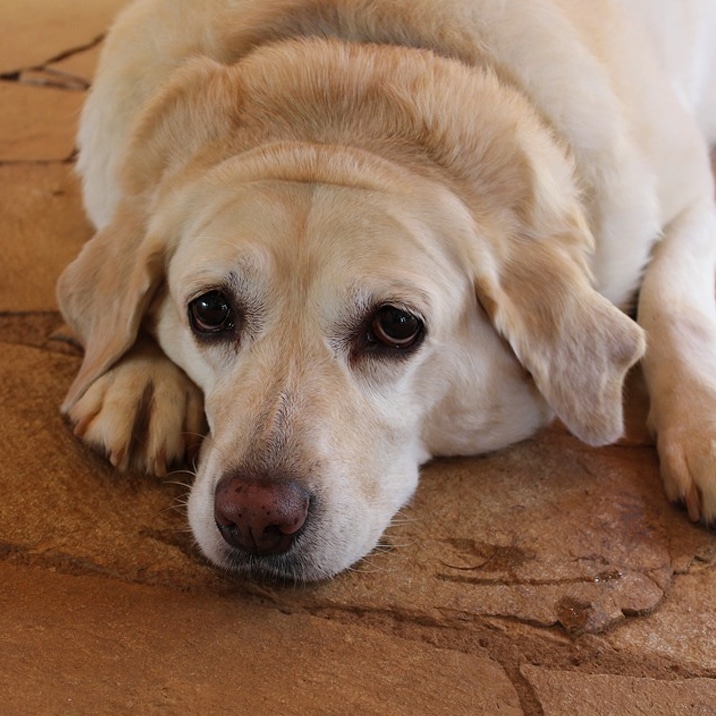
[[355, 234]]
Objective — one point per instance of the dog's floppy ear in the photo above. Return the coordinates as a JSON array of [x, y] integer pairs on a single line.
[[104, 293], [106, 290], [197, 106], [577, 345]]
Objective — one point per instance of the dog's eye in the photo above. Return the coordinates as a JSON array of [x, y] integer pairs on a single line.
[[211, 313], [395, 328]]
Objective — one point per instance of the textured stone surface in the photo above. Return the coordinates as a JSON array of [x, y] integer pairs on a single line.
[[43, 228], [158, 651], [36, 31], [546, 579], [41, 124], [566, 692], [683, 629]]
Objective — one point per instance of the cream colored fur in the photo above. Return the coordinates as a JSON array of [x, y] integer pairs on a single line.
[[504, 171]]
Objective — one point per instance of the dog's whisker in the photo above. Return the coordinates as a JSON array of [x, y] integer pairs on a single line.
[[391, 547], [181, 471], [179, 483], [371, 569], [191, 434], [169, 510], [179, 507]]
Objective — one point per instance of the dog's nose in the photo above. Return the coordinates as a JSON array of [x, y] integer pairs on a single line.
[[260, 517]]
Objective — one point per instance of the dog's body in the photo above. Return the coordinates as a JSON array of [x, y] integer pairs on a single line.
[[367, 232]]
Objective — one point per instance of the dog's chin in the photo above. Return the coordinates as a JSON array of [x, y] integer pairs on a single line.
[[305, 562], [295, 567]]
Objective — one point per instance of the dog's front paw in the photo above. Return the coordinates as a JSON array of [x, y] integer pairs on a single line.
[[688, 468], [686, 442], [144, 413]]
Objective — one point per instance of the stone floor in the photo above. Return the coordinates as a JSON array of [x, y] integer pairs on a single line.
[[548, 579]]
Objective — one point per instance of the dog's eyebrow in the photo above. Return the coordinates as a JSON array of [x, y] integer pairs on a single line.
[[395, 293], [248, 293], [233, 282]]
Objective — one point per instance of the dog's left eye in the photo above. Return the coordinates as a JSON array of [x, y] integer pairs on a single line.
[[395, 328], [211, 313]]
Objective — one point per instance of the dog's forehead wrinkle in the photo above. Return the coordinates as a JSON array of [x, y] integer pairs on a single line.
[[211, 260], [327, 224], [388, 254]]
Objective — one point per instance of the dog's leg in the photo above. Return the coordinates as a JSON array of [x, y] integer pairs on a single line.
[[144, 413], [677, 308]]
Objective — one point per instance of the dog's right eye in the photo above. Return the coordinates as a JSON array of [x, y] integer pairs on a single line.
[[211, 313]]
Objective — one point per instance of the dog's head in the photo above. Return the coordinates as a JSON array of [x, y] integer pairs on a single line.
[[347, 314]]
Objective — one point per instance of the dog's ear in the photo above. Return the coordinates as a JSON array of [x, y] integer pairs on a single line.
[[104, 293], [576, 344], [196, 107], [106, 290]]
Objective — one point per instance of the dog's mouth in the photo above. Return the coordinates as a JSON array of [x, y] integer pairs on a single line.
[[272, 540], [298, 565], [287, 568]]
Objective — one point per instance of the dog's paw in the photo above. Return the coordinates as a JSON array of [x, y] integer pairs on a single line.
[[688, 468], [144, 414], [687, 452]]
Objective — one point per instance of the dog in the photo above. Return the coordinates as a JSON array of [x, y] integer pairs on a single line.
[[341, 237]]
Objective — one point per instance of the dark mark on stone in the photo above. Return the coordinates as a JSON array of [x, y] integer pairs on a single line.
[[573, 614]]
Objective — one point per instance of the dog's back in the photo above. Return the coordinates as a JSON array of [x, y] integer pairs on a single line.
[[627, 131]]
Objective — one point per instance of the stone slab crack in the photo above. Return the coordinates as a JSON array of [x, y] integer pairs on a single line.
[[43, 75]]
